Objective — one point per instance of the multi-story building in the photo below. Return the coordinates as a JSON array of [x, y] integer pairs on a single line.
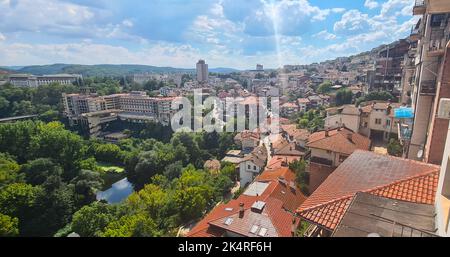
[[26, 80], [386, 74], [432, 79], [347, 115], [378, 121], [202, 71], [135, 107]]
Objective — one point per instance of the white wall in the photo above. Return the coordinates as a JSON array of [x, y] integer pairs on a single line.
[[247, 175]]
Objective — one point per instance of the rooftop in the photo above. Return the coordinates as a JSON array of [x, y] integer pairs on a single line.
[[386, 217], [341, 140], [380, 175], [268, 211]]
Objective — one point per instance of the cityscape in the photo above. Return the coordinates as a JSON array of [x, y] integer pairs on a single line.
[[283, 135]]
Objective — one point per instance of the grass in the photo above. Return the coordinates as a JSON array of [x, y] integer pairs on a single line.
[[105, 167]]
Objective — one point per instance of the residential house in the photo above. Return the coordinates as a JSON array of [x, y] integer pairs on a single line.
[[252, 165], [378, 121], [329, 149], [346, 115], [303, 104], [265, 209], [248, 140], [289, 109], [296, 135]]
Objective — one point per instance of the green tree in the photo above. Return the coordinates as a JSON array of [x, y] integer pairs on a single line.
[[344, 96], [302, 177], [9, 226], [9, 170], [38, 171], [139, 225], [394, 148], [325, 87], [91, 220]]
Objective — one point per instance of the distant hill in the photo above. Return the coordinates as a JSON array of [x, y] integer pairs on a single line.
[[106, 69]]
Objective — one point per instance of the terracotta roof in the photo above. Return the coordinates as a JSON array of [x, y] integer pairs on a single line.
[[380, 175], [277, 215], [303, 101], [278, 161], [289, 105], [287, 148], [296, 133], [341, 140], [258, 156], [247, 135]]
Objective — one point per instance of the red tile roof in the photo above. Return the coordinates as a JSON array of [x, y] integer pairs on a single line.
[[277, 162], [296, 133], [341, 140], [381, 175], [281, 202]]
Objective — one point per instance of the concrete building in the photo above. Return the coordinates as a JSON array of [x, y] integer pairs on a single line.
[[431, 81], [92, 110], [259, 67], [202, 71], [26, 80]]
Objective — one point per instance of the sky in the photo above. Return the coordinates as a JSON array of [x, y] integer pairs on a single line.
[[226, 33]]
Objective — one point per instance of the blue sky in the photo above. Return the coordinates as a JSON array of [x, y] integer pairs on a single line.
[[226, 33]]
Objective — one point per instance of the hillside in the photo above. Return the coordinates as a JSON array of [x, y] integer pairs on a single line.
[[107, 69]]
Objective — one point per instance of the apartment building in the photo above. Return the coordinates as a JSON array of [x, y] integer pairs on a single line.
[[431, 80], [94, 110], [26, 80], [346, 115], [387, 72], [378, 121]]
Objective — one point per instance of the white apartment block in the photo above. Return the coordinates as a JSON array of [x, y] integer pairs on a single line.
[[134, 107], [25, 80]]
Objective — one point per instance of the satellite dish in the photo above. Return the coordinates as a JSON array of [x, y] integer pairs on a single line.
[[420, 154]]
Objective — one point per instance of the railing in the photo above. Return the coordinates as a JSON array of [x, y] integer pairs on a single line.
[[419, 7], [321, 161], [437, 45], [428, 87], [312, 231]]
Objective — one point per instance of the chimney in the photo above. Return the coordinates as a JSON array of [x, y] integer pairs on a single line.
[[327, 133], [241, 210]]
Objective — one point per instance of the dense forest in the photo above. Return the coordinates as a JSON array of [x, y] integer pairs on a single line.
[[49, 175]]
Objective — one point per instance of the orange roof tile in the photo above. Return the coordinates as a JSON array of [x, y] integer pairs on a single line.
[[281, 201], [341, 140], [381, 175]]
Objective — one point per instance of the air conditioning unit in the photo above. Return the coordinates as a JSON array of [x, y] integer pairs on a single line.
[[444, 109]]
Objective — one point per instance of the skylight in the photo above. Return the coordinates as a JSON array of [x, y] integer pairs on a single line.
[[254, 229], [262, 232], [228, 221]]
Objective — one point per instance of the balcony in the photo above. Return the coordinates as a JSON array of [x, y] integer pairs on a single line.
[[437, 47], [321, 161], [419, 7], [428, 87], [416, 34]]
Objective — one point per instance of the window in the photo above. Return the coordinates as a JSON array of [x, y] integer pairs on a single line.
[[228, 221], [254, 167], [262, 232], [388, 123], [378, 121], [249, 167], [254, 229]]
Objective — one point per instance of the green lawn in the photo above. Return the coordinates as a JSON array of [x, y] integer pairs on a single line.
[[110, 168]]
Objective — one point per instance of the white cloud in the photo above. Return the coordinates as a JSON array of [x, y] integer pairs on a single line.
[[371, 4], [325, 35], [2, 37], [352, 22]]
